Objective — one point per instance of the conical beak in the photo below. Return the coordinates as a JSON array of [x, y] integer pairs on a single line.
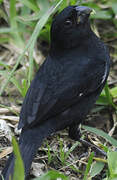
[[83, 10], [83, 13]]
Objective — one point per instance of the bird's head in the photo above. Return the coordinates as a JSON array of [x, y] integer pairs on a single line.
[[70, 26]]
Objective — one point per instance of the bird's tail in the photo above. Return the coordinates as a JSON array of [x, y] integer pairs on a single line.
[[30, 141]]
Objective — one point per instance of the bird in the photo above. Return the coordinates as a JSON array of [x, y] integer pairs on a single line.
[[66, 86]]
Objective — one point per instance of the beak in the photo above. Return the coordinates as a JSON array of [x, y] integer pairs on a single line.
[[83, 10], [82, 13]]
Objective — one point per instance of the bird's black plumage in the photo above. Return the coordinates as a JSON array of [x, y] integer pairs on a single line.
[[66, 86]]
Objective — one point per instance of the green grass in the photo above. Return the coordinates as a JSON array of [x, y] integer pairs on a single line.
[[93, 167]]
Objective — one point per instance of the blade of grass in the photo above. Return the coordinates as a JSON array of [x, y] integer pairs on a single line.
[[52, 175], [9, 108], [96, 168], [102, 134], [62, 153], [3, 14], [88, 166], [30, 5], [19, 166], [102, 100], [17, 38], [22, 88], [1, 1], [30, 17], [18, 86], [5, 65], [109, 96], [4, 40], [114, 92], [33, 38], [5, 73], [71, 149], [49, 154], [112, 164], [37, 30], [30, 74], [6, 30], [44, 4]]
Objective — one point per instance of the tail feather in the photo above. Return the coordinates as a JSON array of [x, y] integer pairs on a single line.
[[30, 141], [8, 167]]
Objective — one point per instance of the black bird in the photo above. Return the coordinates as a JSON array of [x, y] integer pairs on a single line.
[[66, 86]]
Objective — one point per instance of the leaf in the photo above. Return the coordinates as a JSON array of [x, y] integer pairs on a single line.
[[1, 1], [52, 175], [4, 40], [31, 5], [88, 166], [16, 36], [112, 163], [106, 96], [96, 168], [36, 32], [102, 134], [18, 86], [24, 87], [44, 5], [102, 100], [113, 4], [101, 15], [114, 92], [91, 5], [6, 30], [71, 149], [19, 167], [26, 19]]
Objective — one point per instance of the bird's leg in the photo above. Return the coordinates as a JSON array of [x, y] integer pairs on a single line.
[[75, 134], [94, 147]]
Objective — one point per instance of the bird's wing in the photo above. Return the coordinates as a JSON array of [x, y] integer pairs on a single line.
[[50, 94]]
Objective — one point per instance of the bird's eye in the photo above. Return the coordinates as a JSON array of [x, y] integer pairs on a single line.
[[68, 22]]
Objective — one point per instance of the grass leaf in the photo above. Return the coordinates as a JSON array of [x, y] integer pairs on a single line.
[[16, 36], [31, 5], [102, 134], [52, 175], [96, 168], [112, 163], [88, 166], [33, 38], [19, 167]]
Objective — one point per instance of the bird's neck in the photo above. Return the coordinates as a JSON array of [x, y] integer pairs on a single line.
[[59, 50]]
